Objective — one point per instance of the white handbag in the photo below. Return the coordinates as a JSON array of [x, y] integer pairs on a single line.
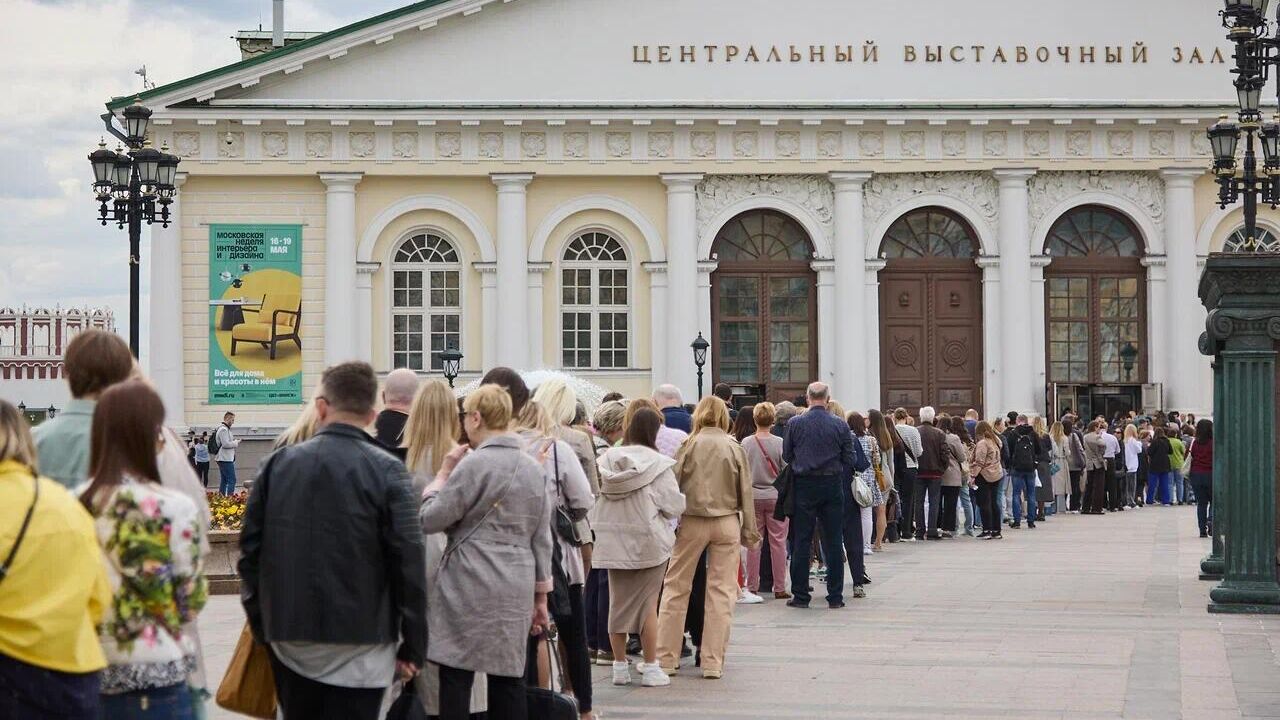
[[862, 492]]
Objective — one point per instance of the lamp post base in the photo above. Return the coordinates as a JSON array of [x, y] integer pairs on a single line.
[[1211, 567], [1246, 597]]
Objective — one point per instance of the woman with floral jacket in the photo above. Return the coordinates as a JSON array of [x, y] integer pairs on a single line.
[[150, 537]]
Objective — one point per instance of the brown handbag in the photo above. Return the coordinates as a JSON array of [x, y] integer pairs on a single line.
[[249, 688]]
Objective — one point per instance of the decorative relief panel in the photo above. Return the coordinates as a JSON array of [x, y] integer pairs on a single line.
[[490, 145], [1120, 142], [812, 192], [831, 144], [448, 144], [275, 144], [1161, 142], [233, 149], [1199, 143], [702, 143], [404, 145], [362, 144], [661, 144], [995, 143], [533, 144], [953, 143], [871, 143], [1048, 189], [1079, 143], [980, 190], [319, 144], [1035, 143], [912, 143], [618, 144], [786, 144], [745, 143], [575, 145], [186, 144]]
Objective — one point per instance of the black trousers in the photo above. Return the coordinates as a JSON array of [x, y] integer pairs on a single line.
[[904, 479], [572, 630], [1074, 502], [852, 533], [950, 503], [27, 691], [595, 597], [302, 698], [1202, 485], [1114, 501], [989, 505], [697, 602], [506, 695], [202, 472], [1096, 491], [931, 487]]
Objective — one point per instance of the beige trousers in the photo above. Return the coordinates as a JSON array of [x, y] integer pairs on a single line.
[[720, 538]]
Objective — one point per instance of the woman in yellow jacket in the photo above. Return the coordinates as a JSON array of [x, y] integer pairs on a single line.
[[49, 651], [719, 515]]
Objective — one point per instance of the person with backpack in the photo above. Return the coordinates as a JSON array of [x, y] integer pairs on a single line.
[[222, 446], [1024, 457]]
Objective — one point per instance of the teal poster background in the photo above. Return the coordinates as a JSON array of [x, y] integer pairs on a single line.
[[255, 314]]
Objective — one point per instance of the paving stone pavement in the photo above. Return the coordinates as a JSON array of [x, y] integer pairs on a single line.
[[1080, 618]]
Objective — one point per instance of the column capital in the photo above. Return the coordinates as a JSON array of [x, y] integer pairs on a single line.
[[1181, 175], [876, 265], [179, 179], [485, 268], [508, 182], [341, 180], [1153, 261], [538, 268], [1013, 176], [845, 181], [706, 267], [680, 182], [367, 268], [987, 261], [823, 266], [654, 267], [1041, 261]]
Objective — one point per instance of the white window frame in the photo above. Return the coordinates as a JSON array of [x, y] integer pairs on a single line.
[[427, 310], [594, 308]]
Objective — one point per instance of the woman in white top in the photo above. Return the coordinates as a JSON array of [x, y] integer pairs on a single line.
[[1132, 449], [151, 537]]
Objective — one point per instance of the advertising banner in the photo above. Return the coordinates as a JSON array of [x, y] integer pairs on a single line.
[[255, 314]]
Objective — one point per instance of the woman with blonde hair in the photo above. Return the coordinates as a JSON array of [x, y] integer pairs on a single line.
[[561, 404], [719, 517], [883, 473], [986, 472], [303, 429], [1044, 457], [1059, 471]]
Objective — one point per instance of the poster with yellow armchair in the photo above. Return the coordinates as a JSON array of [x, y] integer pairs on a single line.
[[255, 314]]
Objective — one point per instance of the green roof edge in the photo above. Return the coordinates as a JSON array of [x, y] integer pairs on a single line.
[[119, 102]]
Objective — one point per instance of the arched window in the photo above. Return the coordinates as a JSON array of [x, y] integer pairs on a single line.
[[930, 232], [1092, 231], [764, 235], [1266, 240], [595, 303], [426, 301]]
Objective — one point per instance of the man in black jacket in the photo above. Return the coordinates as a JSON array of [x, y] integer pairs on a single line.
[[932, 464], [332, 574], [397, 400]]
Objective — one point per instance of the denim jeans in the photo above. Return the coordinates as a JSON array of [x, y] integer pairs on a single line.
[[1202, 485], [227, 475], [1024, 483], [167, 703], [1002, 495], [1160, 488], [28, 691], [967, 506], [818, 499]]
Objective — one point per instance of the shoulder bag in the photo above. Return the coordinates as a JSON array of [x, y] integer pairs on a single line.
[[22, 531], [773, 468], [249, 686], [570, 525]]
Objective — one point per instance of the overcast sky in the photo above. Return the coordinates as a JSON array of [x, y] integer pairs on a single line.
[[64, 60]]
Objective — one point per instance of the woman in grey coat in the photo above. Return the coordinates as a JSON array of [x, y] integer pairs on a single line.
[[494, 504]]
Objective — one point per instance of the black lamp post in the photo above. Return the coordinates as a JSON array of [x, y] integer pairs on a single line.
[[452, 360], [132, 188], [700, 346], [1256, 51], [1128, 354], [52, 411]]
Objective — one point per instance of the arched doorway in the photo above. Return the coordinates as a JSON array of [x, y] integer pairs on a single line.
[[764, 307], [931, 313], [1095, 313]]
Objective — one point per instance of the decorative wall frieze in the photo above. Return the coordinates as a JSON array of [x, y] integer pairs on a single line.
[[1145, 189], [814, 193], [977, 189]]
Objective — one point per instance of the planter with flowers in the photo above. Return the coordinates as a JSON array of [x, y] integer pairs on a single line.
[[226, 513]]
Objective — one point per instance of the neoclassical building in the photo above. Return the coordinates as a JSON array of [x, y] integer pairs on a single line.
[[961, 210]]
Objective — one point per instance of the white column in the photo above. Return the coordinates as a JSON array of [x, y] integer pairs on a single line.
[[682, 280], [1039, 347], [657, 322], [364, 312], [1014, 238], [705, 268], [992, 399], [1158, 319], [340, 334], [1183, 388], [164, 354], [537, 357], [850, 378], [512, 277], [488, 316], [827, 288], [870, 357]]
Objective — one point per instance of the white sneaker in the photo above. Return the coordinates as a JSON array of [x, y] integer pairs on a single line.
[[622, 673], [868, 551], [654, 677], [746, 597]]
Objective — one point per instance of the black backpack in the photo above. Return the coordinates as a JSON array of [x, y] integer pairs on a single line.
[[1024, 453], [214, 445]]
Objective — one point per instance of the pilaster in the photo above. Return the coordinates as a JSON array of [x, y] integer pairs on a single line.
[[657, 321], [827, 335], [992, 334], [871, 345], [364, 309], [488, 314], [537, 351]]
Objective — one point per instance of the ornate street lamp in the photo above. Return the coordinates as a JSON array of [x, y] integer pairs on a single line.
[[53, 411], [700, 346], [133, 187], [452, 360], [1128, 354]]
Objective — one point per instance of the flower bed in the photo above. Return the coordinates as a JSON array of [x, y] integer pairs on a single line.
[[226, 512]]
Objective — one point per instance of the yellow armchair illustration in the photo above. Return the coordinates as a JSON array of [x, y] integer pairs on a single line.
[[279, 318]]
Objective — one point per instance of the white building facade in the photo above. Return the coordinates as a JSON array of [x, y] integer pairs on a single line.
[[959, 210]]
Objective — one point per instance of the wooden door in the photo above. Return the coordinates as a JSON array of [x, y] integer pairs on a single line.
[[931, 335]]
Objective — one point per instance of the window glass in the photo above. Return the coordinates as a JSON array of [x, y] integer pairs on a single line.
[[594, 299]]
